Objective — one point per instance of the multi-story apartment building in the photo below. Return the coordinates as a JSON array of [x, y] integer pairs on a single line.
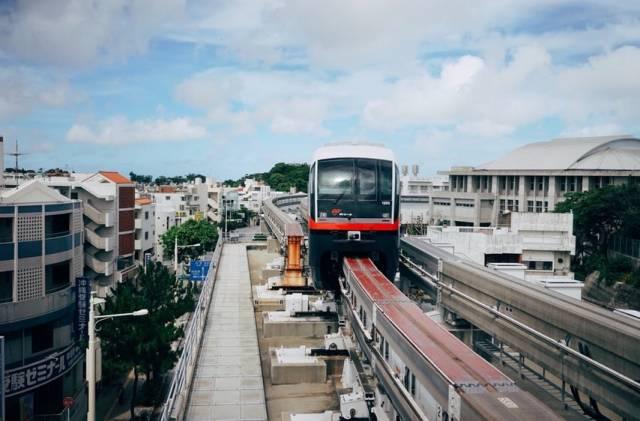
[[214, 200], [108, 200], [533, 178], [145, 233], [41, 255]]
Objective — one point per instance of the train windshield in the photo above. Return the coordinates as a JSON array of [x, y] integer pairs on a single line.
[[335, 178], [360, 179]]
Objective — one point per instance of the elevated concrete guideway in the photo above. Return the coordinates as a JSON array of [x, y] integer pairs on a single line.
[[228, 378]]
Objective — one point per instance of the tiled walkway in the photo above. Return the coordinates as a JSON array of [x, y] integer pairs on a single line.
[[228, 378]]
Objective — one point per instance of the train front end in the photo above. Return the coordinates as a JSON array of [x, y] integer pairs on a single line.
[[353, 209]]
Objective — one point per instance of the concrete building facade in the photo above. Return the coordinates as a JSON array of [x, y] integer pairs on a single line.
[[533, 178], [41, 256], [145, 229], [108, 200]]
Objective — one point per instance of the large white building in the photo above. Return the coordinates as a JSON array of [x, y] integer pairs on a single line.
[[533, 178]]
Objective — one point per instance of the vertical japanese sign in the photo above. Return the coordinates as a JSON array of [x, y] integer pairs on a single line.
[[2, 378], [83, 295]]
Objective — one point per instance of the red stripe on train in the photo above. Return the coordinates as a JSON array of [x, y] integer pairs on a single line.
[[353, 226]]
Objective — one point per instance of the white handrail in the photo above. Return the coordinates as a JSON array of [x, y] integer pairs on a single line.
[[182, 379]]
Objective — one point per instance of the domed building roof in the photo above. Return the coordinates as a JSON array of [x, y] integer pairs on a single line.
[[613, 153]]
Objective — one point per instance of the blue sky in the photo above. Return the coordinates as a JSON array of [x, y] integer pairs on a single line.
[[228, 87]]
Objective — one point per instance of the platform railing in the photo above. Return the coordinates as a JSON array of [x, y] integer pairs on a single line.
[[178, 396]]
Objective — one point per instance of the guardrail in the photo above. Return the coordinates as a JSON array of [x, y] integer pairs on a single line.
[[539, 324], [278, 220], [176, 401]]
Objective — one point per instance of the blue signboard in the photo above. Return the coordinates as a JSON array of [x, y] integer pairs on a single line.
[[2, 377], [198, 270], [83, 297], [36, 374]]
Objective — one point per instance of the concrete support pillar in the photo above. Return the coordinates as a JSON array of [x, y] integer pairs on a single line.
[[585, 183], [470, 187], [452, 211], [551, 196], [476, 213], [494, 184], [522, 195]]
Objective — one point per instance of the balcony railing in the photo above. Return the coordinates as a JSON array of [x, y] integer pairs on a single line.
[[15, 311], [97, 265], [99, 242], [99, 217]]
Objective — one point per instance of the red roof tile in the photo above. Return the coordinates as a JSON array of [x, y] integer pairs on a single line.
[[115, 177]]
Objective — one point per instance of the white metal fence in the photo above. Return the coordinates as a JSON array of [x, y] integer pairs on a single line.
[[178, 395]]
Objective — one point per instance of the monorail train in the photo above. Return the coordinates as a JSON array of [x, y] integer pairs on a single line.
[[353, 209]]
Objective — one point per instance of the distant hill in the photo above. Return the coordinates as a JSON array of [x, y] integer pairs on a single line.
[[281, 177]]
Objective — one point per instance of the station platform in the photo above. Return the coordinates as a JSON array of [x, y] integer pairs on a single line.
[[228, 378]]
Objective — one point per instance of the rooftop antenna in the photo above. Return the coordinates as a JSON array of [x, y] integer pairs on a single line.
[[16, 154]]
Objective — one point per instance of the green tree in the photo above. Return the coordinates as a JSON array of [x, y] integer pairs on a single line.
[[145, 344], [599, 214], [190, 232]]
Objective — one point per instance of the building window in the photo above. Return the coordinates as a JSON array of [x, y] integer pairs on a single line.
[[532, 184], [563, 184], [74, 195], [146, 214], [6, 286], [538, 206], [6, 230], [503, 204], [386, 350], [57, 276], [146, 235], [167, 198], [530, 206], [42, 338], [539, 265], [57, 225]]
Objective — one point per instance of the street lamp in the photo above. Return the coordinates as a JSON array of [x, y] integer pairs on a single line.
[[226, 216], [175, 252], [91, 350]]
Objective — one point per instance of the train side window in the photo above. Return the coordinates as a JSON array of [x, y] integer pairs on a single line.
[[405, 380], [386, 350], [381, 344], [385, 177]]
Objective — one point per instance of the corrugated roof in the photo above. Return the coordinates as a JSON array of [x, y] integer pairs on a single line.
[[620, 152], [115, 177]]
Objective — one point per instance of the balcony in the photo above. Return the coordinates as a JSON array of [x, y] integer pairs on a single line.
[[99, 261], [17, 311], [99, 237], [100, 217]]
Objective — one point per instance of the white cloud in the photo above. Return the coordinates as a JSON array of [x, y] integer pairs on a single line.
[[22, 90], [119, 130], [495, 98], [80, 32]]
